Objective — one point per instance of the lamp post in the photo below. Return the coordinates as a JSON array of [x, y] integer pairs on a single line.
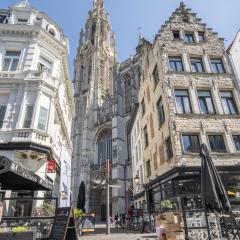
[[108, 202]]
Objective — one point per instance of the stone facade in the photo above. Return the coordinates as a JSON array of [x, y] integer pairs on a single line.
[[187, 96], [36, 97]]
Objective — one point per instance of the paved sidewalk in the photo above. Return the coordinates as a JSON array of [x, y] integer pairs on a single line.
[[116, 234]]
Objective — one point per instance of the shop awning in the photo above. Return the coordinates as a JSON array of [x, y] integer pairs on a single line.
[[15, 177]]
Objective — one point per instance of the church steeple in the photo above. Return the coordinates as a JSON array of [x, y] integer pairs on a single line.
[[96, 54], [98, 3]]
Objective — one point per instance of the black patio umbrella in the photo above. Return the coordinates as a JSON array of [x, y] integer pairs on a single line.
[[81, 197], [213, 192]]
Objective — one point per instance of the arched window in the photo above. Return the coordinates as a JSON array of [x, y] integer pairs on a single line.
[[128, 92], [104, 146]]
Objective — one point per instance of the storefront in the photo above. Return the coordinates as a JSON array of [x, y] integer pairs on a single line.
[[21, 212], [165, 191]]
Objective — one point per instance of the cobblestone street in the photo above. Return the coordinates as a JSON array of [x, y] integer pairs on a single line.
[[117, 234]]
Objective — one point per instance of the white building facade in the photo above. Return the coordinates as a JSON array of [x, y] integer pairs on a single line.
[[234, 56], [137, 157], [36, 99]]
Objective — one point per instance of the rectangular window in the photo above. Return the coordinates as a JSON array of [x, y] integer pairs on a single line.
[[22, 20], [11, 61], [145, 136], [169, 148], [217, 143], [201, 36], [182, 101], [205, 101], [143, 107], [2, 114], [176, 64], [217, 65], [148, 168], [196, 65], [155, 75], [229, 105], [191, 143], [42, 120], [236, 139], [45, 64], [28, 116], [176, 35], [189, 38], [161, 113]]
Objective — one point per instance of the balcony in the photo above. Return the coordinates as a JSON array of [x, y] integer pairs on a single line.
[[25, 135], [30, 75]]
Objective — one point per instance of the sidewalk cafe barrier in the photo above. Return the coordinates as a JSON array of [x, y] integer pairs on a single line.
[[26, 217]]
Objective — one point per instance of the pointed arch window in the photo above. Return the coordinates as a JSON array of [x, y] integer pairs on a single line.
[[104, 146]]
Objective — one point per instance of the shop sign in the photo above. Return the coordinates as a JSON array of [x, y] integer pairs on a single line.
[[51, 166]]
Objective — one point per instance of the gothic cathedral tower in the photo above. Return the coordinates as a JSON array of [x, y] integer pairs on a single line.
[[92, 127]]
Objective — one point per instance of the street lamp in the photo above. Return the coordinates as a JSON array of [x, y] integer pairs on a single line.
[[137, 180]]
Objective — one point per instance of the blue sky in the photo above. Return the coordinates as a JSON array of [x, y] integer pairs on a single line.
[[128, 15]]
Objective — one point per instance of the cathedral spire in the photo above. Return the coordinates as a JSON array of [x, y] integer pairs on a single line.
[[97, 3]]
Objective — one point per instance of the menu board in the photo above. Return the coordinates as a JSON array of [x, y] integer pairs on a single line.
[[60, 225], [88, 223]]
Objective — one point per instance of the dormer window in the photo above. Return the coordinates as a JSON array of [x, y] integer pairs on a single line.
[[22, 20], [52, 32]]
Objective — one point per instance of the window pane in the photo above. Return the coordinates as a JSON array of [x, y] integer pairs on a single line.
[[189, 37], [187, 106], [217, 65], [236, 140], [186, 143], [217, 143], [228, 102], [201, 37], [195, 143], [205, 101], [42, 119], [204, 93], [6, 64], [182, 101], [197, 65], [13, 53], [210, 105], [191, 143], [28, 116], [176, 63], [225, 106], [2, 114], [179, 66], [14, 65], [179, 105], [232, 106]]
